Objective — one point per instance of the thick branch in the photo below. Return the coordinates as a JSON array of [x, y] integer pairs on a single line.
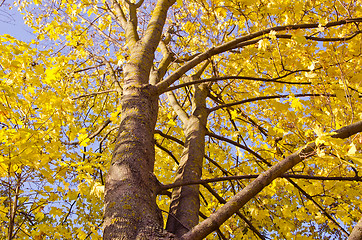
[[234, 43], [264, 179], [288, 36], [185, 202], [138, 67], [220, 234], [131, 30], [167, 58], [136, 5], [153, 32]]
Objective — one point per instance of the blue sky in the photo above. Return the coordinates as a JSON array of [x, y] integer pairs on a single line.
[[11, 22]]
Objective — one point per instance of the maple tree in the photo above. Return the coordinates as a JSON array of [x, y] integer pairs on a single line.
[[182, 119]]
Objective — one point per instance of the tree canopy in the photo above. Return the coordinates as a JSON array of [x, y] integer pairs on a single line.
[[171, 119]]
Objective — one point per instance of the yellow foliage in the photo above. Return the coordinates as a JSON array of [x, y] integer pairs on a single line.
[[65, 85]]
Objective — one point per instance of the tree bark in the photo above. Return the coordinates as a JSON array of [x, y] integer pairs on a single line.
[[356, 233], [130, 209], [185, 202]]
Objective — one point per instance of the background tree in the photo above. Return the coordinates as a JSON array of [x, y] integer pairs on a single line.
[[247, 95]]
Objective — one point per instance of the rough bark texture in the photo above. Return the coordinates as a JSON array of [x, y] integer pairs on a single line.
[[356, 233], [130, 197], [131, 211], [185, 202]]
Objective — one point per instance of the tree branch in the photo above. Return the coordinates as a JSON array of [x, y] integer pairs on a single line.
[[321, 39], [169, 137], [167, 58], [177, 108], [238, 145], [356, 233], [309, 197], [204, 182], [93, 135], [167, 151], [153, 32], [136, 5], [120, 17], [239, 200], [242, 78], [236, 43], [182, 144], [88, 68], [253, 176], [95, 93], [266, 98], [222, 200], [131, 30], [101, 32]]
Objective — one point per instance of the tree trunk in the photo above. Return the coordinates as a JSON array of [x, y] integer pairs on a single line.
[[185, 202], [130, 197], [130, 210]]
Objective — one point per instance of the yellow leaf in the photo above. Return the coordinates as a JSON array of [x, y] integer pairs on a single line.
[[272, 34], [352, 149], [263, 44], [39, 216], [172, 122], [81, 234], [298, 36], [179, 3], [51, 74], [321, 28], [295, 103], [39, 69], [318, 130], [55, 211], [312, 66], [84, 142], [234, 114], [97, 190], [48, 189], [114, 116], [310, 74]]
